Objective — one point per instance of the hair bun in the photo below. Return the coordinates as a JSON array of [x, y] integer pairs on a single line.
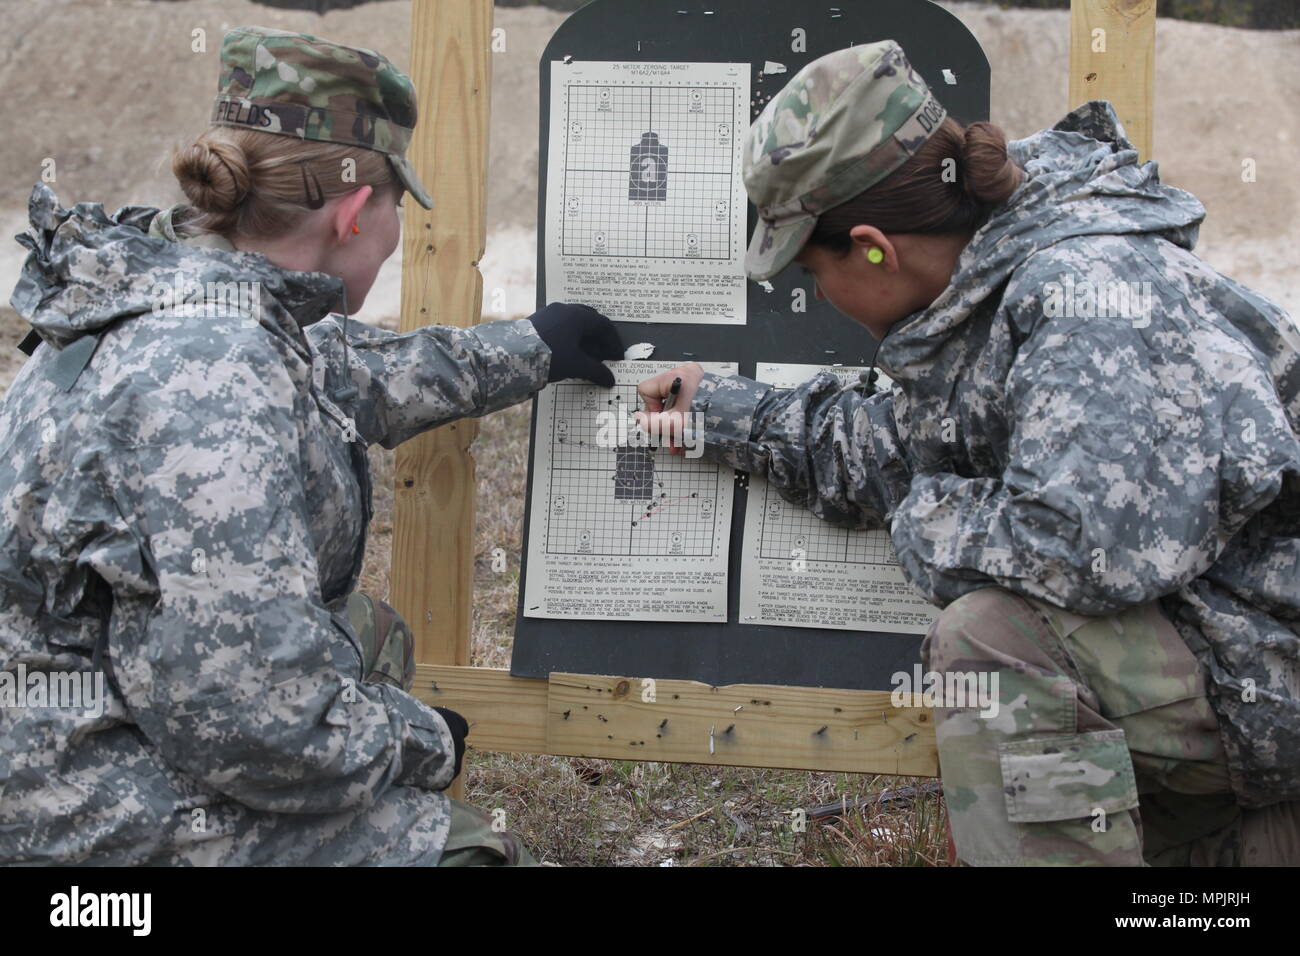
[[246, 183], [214, 175], [988, 172]]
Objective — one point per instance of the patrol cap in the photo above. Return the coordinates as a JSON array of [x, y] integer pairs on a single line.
[[843, 123], [299, 85]]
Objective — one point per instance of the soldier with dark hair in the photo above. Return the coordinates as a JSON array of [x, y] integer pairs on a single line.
[[1088, 458], [184, 495]]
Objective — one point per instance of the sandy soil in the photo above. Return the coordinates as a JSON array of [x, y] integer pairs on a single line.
[[1223, 95]]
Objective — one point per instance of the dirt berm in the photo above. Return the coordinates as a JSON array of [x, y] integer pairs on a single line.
[[105, 89]]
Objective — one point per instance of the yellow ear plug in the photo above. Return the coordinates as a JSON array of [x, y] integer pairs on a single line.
[[875, 255]]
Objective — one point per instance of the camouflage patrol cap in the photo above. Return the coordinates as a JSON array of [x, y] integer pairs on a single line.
[[299, 85], [843, 123]]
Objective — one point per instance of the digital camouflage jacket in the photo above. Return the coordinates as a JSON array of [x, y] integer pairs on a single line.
[[1088, 415], [186, 514]]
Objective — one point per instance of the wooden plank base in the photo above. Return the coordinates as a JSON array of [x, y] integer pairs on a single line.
[[676, 721]]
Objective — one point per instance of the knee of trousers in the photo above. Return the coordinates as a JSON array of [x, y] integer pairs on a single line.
[[388, 645], [1027, 782]]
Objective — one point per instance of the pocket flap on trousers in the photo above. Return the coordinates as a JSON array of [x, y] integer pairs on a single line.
[[1067, 777]]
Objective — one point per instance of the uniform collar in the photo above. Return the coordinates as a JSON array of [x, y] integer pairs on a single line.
[[169, 224]]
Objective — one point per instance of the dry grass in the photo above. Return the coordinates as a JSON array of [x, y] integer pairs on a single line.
[[579, 811], [614, 812]]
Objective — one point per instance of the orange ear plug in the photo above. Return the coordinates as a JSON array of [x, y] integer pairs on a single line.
[[356, 231]]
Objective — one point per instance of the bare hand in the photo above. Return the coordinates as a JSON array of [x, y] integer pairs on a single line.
[[655, 393]]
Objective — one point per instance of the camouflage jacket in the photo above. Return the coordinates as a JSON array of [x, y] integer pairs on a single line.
[[187, 515], [1045, 437]]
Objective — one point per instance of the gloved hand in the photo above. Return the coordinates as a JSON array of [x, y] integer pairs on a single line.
[[459, 731], [578, 337]]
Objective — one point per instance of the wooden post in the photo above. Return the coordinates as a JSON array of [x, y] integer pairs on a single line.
[[1117, 63], [432, 574]]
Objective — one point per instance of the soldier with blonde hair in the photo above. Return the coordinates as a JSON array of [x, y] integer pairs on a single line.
[[184, 494]]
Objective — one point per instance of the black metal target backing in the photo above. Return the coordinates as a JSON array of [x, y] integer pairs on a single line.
[[741, 31]]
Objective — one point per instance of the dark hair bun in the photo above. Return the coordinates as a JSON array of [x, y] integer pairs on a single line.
[[989, 173]]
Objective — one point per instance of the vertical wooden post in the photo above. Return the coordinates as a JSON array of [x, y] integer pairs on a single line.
[[433, 514], [1117, 64]]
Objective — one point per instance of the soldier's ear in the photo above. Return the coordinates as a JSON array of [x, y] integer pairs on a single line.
[[347, 211], [868, 238]]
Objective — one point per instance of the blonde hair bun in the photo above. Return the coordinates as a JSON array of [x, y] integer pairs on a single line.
[[250, 183], [213, 175]]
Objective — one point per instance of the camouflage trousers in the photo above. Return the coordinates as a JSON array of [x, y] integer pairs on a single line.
[[388, 655], [1103, 748]]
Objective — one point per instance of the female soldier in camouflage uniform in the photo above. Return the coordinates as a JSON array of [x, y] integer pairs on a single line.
[[184, 495], [1088, 458]]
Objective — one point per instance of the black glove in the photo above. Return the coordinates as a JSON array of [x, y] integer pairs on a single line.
[[578, 337], [459, 731]]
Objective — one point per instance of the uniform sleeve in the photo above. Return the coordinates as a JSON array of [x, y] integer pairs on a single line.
[[1113, 488], [224, 653], [831, 449], [413, 381]]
